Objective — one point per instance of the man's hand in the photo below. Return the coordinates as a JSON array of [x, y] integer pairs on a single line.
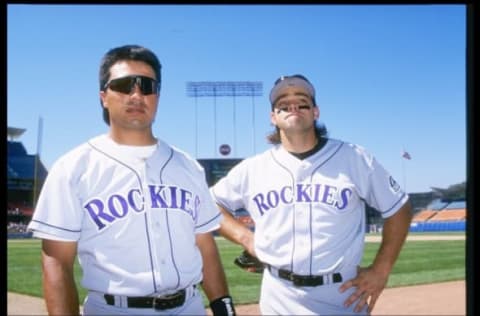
[[369, 285], [249, 263]]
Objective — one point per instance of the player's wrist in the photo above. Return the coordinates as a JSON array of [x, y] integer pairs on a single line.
[[247, 240], [223, 306]]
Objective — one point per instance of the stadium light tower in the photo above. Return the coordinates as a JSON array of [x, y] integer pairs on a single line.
[[224, 89]]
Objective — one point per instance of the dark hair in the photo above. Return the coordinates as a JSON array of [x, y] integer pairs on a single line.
[[274, 137], [126, 52]]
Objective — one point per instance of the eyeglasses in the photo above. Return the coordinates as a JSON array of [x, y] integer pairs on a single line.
[[289, 107], [292, 76], [126, 85]]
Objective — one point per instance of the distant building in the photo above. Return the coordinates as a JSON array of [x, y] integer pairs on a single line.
[[25, 176], [421, 200], [215, 169]]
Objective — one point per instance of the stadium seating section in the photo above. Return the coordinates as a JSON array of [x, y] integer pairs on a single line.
[[441, 216]]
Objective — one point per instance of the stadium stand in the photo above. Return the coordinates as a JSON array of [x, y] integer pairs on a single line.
[[424, 215], [454, 211], [449, 215], [441, 215], [454, 205], [25, 177]]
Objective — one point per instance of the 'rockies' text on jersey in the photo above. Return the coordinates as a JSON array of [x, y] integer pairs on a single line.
[[161, 197], [303, 193]]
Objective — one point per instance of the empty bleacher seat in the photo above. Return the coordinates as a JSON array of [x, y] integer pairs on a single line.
[[449, 215], [423, 215]]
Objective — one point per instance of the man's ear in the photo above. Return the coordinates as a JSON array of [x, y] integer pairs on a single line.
[[316, 112], [102, 99], [273, 118]]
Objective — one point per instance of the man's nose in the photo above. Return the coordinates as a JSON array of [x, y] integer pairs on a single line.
[[293, 107], [136, 89]]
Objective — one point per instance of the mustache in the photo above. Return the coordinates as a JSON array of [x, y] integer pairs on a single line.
[[136, 103]]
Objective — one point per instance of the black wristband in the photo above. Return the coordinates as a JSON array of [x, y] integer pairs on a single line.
[[223, 306]]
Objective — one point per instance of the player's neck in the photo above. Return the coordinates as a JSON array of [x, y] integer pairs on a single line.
[[299, 143], [132, 138]]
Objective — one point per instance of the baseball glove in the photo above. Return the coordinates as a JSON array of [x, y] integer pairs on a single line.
[[249, 263]]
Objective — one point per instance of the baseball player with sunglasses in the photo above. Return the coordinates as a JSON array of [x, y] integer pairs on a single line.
[[136, 211], [307, 197]]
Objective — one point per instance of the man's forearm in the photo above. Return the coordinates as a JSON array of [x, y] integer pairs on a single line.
[[395, 230], [214, 281], [60, 293], [236, 232]]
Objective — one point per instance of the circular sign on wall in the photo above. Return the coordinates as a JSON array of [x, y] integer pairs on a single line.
[[225, 149]]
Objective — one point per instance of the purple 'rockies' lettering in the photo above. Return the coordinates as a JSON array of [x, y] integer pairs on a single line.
[[156, 198], [345, 194], [304, 193], [259, 201], [116, 206], [328, 193], [95, 210], [131, 200], [283, 194]]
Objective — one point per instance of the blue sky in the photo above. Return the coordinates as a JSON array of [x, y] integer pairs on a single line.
[[388, 77]]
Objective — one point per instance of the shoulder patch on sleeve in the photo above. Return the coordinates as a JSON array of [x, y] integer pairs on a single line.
[[394, 185]]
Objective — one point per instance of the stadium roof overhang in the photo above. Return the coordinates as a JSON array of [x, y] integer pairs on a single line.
[[14, 132]]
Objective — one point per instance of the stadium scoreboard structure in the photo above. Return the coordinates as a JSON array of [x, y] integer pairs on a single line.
[[215, 169]]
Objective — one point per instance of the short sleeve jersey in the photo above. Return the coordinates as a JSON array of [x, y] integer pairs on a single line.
[[310, 214], [133, 216]]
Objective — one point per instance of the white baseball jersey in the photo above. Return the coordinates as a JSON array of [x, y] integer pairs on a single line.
[[310, 214], [134, 212]]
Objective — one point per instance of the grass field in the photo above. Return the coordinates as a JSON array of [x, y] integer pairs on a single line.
[[420, 262]]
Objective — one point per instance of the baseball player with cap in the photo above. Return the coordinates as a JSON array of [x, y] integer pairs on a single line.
[[307, 197], [136, 210]]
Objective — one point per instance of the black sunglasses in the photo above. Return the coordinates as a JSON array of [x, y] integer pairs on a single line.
[[292, 76], [126, 84]]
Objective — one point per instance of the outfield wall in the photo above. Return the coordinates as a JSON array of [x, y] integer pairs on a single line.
[[438, 226]]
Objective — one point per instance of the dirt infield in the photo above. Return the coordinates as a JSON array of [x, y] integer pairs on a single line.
[[446, 298]]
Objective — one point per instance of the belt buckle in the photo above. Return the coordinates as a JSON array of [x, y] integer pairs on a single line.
[[284, 274], [169, 301], [298, 280], [307, 280]]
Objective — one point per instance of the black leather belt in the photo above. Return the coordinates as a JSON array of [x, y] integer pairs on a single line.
[[305, 280], [157, 302]]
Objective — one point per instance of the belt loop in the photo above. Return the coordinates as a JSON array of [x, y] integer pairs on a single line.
[[110, 299], [119, 300], [190, 291], [123, 301], [337, 277]]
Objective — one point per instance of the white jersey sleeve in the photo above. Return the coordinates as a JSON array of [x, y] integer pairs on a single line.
[[374, 184], [60, 214], [230, 191]]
